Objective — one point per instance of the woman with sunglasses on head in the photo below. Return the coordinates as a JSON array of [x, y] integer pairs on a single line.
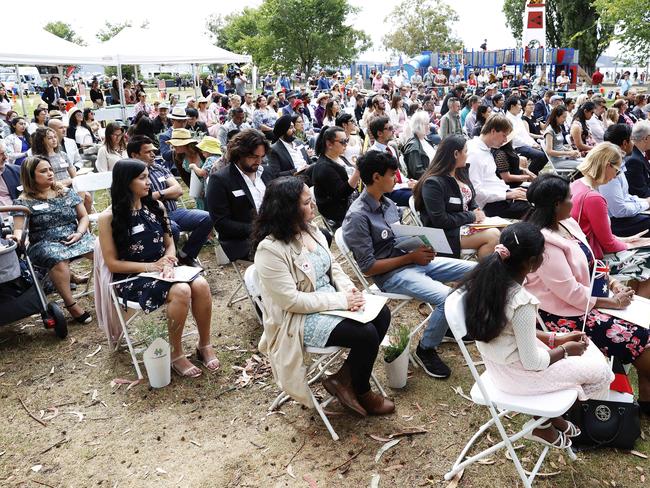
[[335, 178]]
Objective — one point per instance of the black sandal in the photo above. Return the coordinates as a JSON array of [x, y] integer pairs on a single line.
[[84, 318]]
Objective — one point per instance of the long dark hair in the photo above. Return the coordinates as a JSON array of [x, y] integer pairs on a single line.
[[545, 193], [556, 113], [481, 114], [328, 134], [112, 127], [580, 116], [124, 172], [488, 285], [280, 215], [38, 141], [443, 163]]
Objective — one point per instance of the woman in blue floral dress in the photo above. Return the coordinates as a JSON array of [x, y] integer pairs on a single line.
[[58, 228], [135, 237]]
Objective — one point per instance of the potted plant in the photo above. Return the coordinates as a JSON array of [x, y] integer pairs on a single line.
[[396, 357], [157, 355]]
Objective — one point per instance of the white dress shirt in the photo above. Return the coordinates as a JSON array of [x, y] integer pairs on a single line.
[[522, 136], [296, 155], [483, 173], [256, 186]]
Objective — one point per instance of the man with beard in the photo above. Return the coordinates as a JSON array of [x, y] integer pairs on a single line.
[[284, 158]]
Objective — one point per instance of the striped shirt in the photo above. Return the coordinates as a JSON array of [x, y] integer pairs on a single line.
[[158, 176]]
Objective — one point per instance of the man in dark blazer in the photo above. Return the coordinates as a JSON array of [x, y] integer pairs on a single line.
[[637, 167], [284, 158], [53, 92], [235, 192], [543, 107]]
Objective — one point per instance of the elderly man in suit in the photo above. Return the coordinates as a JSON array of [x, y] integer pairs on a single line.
[[236, 191], [637, 167], [284, 158], [53, 93]]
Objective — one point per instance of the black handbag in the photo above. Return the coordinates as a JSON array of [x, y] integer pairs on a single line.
[[605, 423]]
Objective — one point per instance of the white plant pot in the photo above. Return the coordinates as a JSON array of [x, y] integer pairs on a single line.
[[157, 361], [397, 370]]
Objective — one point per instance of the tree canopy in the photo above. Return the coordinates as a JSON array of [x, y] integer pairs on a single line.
[[569, 23], [64, 31], [288, 33], [632, 20], [111, 30], [422, 26]]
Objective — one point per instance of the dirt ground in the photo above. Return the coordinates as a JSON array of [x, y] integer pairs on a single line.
[[216, 431]]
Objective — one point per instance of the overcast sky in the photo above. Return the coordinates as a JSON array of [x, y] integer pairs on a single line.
[[87, 17]]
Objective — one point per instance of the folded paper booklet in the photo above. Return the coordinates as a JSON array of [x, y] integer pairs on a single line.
[[410, 244], [370, 310], [436, 237], [182, 274], [637, 312], [491, 222]]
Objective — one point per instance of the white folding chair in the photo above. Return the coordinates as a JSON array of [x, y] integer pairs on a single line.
[[500, 404], [557, 171], [326, 356], [133, 308], [375, 290], [92, 182]]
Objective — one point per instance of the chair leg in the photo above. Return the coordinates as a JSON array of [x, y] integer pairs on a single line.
[[125, 333], [378, 385], [323, 417]]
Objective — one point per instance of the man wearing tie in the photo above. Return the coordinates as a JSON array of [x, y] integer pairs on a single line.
[[53, 93], [382, 131]]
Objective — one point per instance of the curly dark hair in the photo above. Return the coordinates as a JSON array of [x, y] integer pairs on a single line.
[[279, 215], [244, 144], [124, 172]]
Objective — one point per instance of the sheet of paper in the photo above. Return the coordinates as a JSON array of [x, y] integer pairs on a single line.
[[637, 312], [436, 237], [491, 222], [368, 313], [182, 274]]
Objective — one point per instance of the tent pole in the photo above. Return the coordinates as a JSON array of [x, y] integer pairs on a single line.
[[195, 84], [121, 87], [254, 80], [20, 91]]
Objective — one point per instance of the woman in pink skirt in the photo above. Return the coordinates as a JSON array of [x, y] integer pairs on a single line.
[[501, 315]]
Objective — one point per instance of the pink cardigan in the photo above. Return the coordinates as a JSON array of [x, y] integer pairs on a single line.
[[562, 283], [594, 220]]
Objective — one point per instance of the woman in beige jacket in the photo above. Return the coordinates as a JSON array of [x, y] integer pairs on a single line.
[[299, 278]]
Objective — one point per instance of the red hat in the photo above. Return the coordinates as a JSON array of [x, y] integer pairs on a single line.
[[296, 104]]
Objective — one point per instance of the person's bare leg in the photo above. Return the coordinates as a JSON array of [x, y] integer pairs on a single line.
[[202, 312], [60, 275], [178, 305], [484, 242]]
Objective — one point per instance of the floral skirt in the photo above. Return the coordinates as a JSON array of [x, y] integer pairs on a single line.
[[150, 293], [613, 336]]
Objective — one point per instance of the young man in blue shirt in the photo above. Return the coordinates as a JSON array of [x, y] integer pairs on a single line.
[[419, 274]]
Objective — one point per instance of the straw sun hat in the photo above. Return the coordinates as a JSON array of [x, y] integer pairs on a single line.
[[181, 137]]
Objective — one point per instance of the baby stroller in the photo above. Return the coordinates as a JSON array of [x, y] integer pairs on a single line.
[[21, 293]]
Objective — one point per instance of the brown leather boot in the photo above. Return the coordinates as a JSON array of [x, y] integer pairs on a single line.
[[375, 404], [340, 385]]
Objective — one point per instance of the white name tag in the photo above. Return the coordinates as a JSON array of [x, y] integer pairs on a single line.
[[162, 178], [238, 193], [137, 229], [455, 200], [41, 206], [64, 165], [19, 188]]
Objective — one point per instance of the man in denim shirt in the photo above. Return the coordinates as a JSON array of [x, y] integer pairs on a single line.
[[367, 232]]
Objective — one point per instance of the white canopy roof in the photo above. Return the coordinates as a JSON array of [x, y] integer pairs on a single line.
[[131, 46], [38, 46], [147, 46]]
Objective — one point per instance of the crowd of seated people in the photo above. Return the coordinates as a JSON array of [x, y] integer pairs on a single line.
[[262, 186]]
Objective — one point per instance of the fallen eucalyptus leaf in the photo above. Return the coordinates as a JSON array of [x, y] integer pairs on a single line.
[[385, 448]]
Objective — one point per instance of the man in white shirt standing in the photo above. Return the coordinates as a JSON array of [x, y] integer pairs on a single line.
[[523, 143], [493, 195]]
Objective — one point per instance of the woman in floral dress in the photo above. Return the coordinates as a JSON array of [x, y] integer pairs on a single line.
[[58, 228], [563, 284], [135, 237]]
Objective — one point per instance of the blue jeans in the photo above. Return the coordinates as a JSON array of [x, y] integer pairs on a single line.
[[424, 283], [197, 222]]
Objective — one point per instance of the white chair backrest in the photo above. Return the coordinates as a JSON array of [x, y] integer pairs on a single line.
[[414, 212], [252, 282], [93, 181], [349, 257]]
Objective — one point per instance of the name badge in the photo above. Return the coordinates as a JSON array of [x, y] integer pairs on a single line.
[[384, 234], [455, 200], [162, 178], [64, 165], [238, 193], [41, 206], [137, 229], [19, 188]]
